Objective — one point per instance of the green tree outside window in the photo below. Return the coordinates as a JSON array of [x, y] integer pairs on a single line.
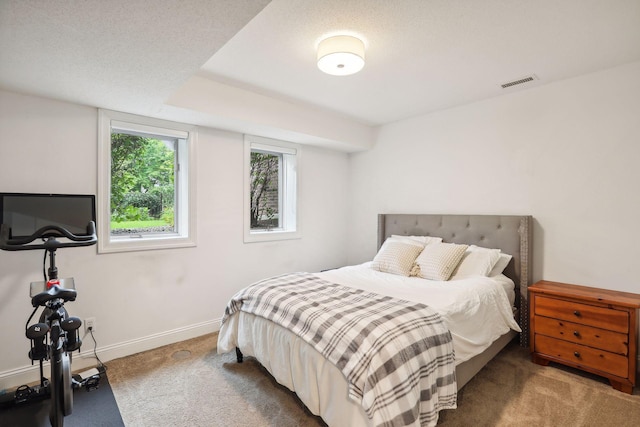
[[142, 184]]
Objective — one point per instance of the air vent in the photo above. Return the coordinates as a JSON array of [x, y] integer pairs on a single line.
[[519, 81]]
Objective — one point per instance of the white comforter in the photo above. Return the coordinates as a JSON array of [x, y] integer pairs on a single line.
[[476, 310]]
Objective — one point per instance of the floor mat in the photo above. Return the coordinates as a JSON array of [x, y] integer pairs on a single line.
[[94, 408]]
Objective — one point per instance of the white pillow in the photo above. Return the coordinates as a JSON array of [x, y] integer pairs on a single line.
[[439, 260], [396, 257], [476, 261], [502, 263]]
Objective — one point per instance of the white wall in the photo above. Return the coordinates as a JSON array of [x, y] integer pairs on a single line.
[[145, 299], [567, 153]]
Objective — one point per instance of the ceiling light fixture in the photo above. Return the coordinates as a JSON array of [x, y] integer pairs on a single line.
[[341, 55]]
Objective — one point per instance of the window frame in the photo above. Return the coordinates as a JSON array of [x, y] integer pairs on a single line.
[[185, 185], [288, 190]]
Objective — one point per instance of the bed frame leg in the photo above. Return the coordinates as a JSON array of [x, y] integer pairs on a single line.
[[239, 355]]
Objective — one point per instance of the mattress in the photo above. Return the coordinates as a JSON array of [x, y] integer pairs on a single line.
[[477, 311]]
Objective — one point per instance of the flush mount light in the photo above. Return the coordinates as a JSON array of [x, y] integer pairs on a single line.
[[341, 55]]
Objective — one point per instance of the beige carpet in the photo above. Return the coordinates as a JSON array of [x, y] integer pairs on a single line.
[[188, 384]]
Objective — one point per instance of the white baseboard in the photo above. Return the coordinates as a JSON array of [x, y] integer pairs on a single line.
[[29, 374]]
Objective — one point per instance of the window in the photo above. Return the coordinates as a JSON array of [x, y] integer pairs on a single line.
[[146, 185], [271, 185]]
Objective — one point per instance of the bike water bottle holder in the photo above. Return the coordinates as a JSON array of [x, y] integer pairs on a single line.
[[37, 334], [72, 325]]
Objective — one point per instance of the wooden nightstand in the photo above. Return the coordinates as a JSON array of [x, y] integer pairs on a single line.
[[587, 328]]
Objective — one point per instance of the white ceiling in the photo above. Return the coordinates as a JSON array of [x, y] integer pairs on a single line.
[[421, 55], [426, 55]]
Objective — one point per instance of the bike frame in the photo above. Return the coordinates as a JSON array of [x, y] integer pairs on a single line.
[[60, 385], [54, 320]]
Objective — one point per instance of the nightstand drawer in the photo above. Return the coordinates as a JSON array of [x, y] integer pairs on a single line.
[[583, 356], [614, 342], [600, 317]]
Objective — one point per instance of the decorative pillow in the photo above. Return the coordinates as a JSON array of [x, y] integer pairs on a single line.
[[424, 240], [396, 257], [439, 260], [502, 263], [476, 261]]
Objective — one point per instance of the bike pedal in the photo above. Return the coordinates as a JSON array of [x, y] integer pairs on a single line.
[[92, 383], [23, 393]]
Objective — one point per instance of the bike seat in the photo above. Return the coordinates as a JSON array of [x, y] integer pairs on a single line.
[[54, 292]]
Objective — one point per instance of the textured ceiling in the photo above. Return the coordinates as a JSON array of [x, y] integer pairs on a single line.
[[127, 55], [421, 55]]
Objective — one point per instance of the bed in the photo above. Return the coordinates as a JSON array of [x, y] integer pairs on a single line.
[[321, 385]]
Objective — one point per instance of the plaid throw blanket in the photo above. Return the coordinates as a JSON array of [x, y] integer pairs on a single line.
[[397, 356]]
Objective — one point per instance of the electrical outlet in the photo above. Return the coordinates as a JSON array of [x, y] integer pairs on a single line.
[[89, 323]]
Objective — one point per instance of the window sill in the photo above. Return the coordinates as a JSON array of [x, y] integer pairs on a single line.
[[269, 236], [128, 244]]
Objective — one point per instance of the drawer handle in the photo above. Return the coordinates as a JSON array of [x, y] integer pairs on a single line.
[[576, 333], [577, 313], [576, 354]]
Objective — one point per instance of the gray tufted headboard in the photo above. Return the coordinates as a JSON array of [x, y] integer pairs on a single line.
[[509, 233]]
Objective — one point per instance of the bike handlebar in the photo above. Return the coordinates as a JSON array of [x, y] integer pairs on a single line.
[[50, 232]]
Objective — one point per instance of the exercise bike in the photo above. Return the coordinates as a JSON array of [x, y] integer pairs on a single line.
[[62, 329]]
